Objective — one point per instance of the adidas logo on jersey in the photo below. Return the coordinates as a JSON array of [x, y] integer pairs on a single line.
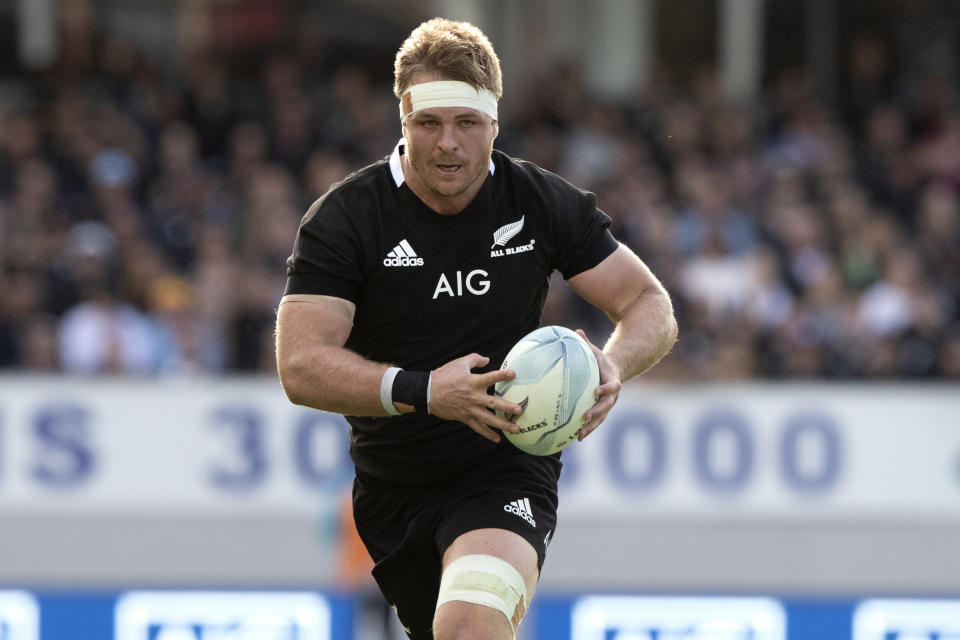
[[521, 508], [403, 255]]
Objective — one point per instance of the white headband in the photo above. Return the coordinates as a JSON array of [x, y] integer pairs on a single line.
[[447, 93]]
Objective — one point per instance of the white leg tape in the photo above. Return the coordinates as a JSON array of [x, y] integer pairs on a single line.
[[487, 581]]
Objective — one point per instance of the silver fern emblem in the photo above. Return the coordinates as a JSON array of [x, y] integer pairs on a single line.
[[503, 235]]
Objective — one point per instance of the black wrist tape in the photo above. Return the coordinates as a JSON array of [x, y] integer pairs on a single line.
[[410, 388]]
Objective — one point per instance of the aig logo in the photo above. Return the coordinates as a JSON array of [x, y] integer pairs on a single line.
[[906, 620], [475, 282], [206, 615], [19, 616], [680, 618]]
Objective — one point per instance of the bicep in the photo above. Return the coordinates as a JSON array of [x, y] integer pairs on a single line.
[[614, 284], [311, 320]]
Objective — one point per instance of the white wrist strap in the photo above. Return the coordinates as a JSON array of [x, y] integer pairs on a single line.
[[386, 391], [429, 382]]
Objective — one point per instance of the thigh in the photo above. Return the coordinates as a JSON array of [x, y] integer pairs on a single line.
[[518, 495], [502, 544], [507, 510], [497, 617], [395, 525], [382, 515]]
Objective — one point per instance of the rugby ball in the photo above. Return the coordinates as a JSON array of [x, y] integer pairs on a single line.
[[556, 376]]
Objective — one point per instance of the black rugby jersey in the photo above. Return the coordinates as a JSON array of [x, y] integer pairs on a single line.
[[431, 288]]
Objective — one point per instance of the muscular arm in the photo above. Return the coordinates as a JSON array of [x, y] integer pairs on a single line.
[[628, 292], [315, 369]]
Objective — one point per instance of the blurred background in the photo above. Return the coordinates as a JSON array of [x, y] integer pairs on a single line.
[[790, 170]]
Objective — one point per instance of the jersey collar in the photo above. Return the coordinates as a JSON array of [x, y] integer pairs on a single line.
[[397, 171]]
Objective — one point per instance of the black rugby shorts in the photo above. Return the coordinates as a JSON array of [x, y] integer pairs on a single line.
[[406, 528]]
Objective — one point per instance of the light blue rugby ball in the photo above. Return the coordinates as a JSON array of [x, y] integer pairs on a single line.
[[557, 375]]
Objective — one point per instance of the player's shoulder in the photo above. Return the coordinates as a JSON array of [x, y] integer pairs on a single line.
[[358, 192], [535, 181]]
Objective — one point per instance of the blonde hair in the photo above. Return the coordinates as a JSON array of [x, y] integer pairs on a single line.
[[450, 50]]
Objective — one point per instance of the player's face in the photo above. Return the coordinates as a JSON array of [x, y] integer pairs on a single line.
[[448, 155]]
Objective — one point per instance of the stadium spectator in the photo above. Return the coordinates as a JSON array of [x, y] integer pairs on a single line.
[[168, 159]]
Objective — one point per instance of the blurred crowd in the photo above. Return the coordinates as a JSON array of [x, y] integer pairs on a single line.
[[145, 215]]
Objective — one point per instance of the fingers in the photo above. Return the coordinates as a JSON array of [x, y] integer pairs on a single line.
[[485, 422], [607, 395], [609, 388], [493, 403], [596, 415], [493, 377], [489, 418], [461, 395], [504, 425], [483, 430], [475, 360], [591, 424]]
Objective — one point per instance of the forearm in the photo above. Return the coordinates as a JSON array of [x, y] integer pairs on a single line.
[[333, 379], [316, 369], [644, 333]]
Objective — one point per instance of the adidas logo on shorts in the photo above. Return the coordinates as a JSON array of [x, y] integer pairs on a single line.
[[403, 255], [521, 508]]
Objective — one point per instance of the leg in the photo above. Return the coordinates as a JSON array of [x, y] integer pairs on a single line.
[[457, 619], [407, 561]]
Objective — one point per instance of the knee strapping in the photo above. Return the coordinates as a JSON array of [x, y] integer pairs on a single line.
[[487, 581]]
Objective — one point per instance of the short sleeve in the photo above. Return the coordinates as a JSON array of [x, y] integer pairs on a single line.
[[582, 234], [326, 257]]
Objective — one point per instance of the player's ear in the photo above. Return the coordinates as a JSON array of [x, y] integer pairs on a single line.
[[496, 129]]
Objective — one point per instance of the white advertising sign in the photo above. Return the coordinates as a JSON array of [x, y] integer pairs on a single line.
[[824, 450], [242, 615], [906, 619], [216, 446], [19, 616], [677, 618]]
